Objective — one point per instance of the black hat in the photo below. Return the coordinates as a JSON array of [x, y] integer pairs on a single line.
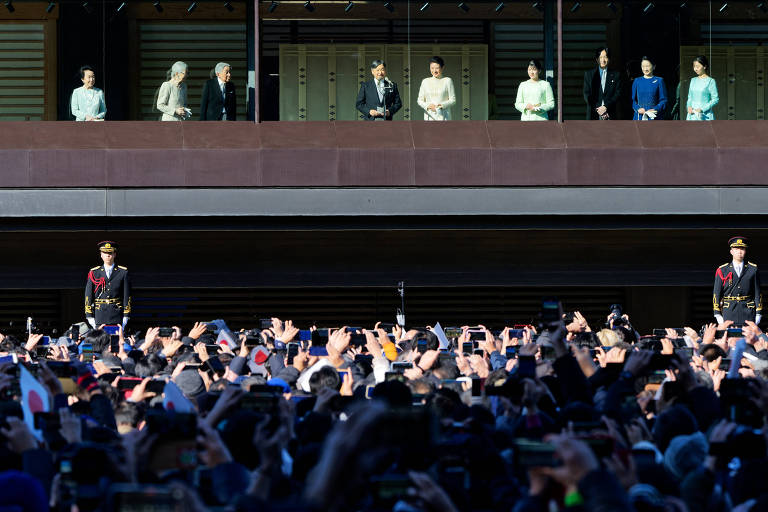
[[107, 246], [738, 241]]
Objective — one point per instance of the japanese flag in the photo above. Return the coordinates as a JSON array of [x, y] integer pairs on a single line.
[[35, 398], [260, 354], [174, 399], [225, 338]]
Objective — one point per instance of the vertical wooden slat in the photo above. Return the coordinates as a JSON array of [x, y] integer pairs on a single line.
[[361, 67], [135, 78], [28, 84], [466, 97], [731, 71], [332, 83], [760, 82], [302, 80], [51, 82], [254, 77], [405, 94]]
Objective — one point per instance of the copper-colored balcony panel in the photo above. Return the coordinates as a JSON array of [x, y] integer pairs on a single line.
[[452, 153], [145, 168], [375, 154], [142, 134], [341, 154], [216, 135], [531, 153], [67, 167], [207, 168], [14, 172]]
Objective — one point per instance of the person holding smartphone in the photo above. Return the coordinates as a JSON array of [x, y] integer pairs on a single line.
[[107, 290]]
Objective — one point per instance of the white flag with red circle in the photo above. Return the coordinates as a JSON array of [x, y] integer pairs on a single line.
[[174, 399], [35, 398], [225, 338]]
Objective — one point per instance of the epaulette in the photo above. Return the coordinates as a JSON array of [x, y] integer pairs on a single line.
[[750, 263], [724, 265], [120, 266], [96, 268]]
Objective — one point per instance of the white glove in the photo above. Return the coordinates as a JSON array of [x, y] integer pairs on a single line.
[[91, 321], [719, 319], [758, 317]]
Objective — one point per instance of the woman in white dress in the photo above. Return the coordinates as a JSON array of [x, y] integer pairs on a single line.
[[436, 94], [87, 102], [534, 96], [172, 99]]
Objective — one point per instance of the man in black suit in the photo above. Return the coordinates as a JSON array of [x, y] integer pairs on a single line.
[[602, 88], [378, 99], [219, 102]]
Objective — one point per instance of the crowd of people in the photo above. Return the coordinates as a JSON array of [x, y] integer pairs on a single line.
[[379, 98], [562, 415]]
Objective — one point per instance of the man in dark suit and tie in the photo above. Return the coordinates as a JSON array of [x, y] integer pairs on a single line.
[[602, 88], [378, 99], [219, 102]]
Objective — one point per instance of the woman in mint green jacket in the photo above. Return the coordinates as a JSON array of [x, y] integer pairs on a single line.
[[702, 92]]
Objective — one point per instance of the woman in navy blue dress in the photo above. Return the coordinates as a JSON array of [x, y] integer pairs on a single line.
[[649, 94]]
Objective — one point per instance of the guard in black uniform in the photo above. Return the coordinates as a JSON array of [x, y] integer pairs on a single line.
[[736, 295], [107, 290]]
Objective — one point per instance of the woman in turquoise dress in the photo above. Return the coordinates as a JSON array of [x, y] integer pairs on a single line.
[[702, 93]]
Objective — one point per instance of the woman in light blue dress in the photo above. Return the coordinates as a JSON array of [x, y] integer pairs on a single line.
[[702, 93], [87, 102]]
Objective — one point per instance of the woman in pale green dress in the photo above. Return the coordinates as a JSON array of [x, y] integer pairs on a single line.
[[702, 93], [534, 96]]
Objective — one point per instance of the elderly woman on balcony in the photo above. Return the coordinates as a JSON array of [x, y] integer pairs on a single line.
[[172, 98], [87, 102]]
